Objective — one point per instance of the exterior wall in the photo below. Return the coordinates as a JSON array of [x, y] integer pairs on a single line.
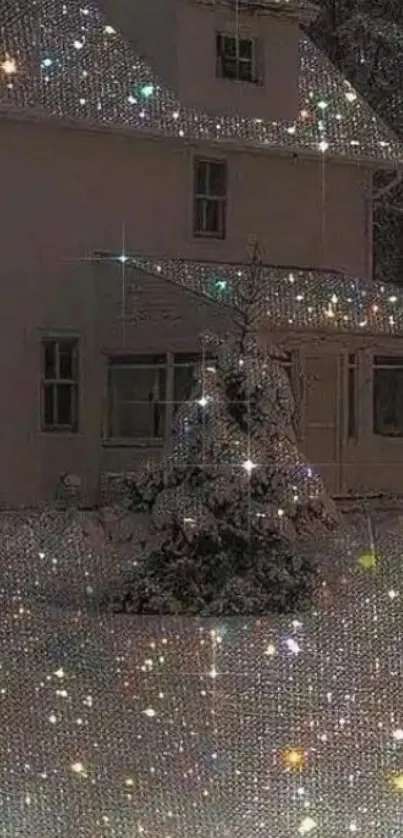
[[366, 463], [178, 38], [67, 193], [86, 301], [276, 98]]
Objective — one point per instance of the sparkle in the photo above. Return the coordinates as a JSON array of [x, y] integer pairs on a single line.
[[9, 66], [307, 825], [122, 90], [301, 298], [248, 465]]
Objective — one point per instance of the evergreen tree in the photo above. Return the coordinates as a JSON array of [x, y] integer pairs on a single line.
[[234, 505], [364, 39]]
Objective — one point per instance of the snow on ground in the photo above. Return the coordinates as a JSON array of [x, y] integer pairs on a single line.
[[124, 726]]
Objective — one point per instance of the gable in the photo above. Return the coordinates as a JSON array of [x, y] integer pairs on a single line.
[[80, 69]]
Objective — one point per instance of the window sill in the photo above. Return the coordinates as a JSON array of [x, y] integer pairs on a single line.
[[382, 435], [254, 82], [133, 443], [49, 432], [206, 236]]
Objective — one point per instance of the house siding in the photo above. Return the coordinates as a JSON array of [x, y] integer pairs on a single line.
[[67, 193]]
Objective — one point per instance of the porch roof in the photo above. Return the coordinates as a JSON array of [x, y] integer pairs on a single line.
[[62, 60], [293, 297]]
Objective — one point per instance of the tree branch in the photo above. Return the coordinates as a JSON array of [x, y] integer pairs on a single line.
[[388, 188]]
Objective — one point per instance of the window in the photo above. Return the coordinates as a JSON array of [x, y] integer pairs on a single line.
[[352, 397], [388, 395], [287, 363], [236, 58], [144, 392], [210, 198], [60, 384]]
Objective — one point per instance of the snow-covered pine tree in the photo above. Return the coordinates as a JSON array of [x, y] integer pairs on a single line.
[[234, 506]]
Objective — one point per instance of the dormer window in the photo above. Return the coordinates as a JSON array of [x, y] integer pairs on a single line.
[[236, 58]]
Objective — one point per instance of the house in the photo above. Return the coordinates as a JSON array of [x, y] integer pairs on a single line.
[[131, 189]]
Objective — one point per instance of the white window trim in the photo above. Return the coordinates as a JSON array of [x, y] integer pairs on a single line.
[[218, 235], [252, 61], [169, 366], [57, 338], [378, 366]]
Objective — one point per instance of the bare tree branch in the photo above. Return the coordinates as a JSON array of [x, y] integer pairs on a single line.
[[385, 190]]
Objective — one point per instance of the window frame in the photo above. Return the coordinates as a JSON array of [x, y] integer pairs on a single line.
[[57, 380], [352, 400], [171, 362], [201, 232], [251, 62], [382, 363]]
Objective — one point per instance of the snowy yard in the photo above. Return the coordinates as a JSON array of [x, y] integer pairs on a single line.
[[123, 726]]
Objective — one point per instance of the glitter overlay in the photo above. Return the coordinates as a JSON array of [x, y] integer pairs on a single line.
[[123, 726], [300, 298], [61, 59]]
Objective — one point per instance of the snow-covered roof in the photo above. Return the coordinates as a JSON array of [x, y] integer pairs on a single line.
[[309, 298], [60, 58]]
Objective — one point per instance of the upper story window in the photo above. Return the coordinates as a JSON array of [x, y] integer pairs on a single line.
[[236, 58], [144, 392], [210, 198], [388, 395], [59, 384]]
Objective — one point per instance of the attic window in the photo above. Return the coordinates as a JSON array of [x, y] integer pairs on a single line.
[[236, 58]]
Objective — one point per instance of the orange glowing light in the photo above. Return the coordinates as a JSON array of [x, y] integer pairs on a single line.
[[9, 66], [294, 758]]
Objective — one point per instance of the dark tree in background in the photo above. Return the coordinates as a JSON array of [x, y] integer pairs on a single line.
[[364, 39]]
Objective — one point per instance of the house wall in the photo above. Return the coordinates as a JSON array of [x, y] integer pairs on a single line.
[[155, 316], [178, 39], [67, 193], [86, 302], [277, 39]]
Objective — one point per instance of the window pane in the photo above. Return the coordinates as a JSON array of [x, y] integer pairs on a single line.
[[137, 402], [67, 355], [184, 384], [48, 405], [245, 71], [137, 360], [201, 178], [388, 361], [64, 396], [229, 68], [245, 48], [217, 179], [214, 219], [138, 384], [388, 402], [49, 358], [138, 421], [198, 221], [351, 404], [229, 46]]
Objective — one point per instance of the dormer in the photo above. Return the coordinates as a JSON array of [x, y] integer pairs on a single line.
[[233, 57]]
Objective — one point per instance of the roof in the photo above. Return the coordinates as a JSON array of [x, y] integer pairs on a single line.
[[309, 299], [61, 59]]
